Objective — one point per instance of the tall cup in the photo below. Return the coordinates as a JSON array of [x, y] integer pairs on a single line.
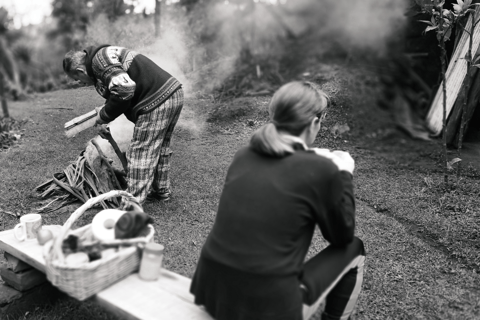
[[28, 227]]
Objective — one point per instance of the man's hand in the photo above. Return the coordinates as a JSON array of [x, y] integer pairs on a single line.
[[104, 132], [99, 120]]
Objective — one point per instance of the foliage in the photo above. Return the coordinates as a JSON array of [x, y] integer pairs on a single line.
[[74, 17], [133, 31], [5, 20], [78, 181], [11, 132], [39, 59], [224, 41], [442, 22], [462, 7], [113, 9]]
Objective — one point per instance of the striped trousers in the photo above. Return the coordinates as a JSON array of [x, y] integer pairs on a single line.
[[335, 274], [149, 153]]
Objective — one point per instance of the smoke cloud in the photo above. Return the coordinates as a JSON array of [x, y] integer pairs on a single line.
[[366, 24], [203, 59], [209, 39]]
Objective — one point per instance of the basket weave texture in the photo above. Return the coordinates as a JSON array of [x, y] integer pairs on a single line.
[[83, 281]]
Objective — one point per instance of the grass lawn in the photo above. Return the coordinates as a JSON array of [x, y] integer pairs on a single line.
[[422, 241]]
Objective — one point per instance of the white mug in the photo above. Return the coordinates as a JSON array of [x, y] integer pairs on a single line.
[[28, 227]]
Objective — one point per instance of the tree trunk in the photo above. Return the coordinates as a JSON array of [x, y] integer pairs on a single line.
[[9, 67], [2, 96], [158, 10]]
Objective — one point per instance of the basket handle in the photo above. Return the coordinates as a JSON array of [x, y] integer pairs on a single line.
[[57, 243]]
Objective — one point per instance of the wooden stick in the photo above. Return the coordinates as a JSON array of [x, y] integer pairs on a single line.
[[105, 159], [105, 133], [80, 123]]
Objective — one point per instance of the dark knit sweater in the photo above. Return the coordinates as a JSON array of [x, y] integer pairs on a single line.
[[266, 218], [270, 206], [130, 82]]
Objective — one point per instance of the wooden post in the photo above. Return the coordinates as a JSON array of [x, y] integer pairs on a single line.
[[105, 133], [473, 101], [443, 59], [469, 59], [158, 7], [2, 96], [454, 120]]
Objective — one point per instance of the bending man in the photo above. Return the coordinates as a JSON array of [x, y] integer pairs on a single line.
[[149, 96]]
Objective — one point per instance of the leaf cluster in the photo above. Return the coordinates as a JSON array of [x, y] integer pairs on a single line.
[[11, 131], [5, 20], [443, 20], [77, 182]]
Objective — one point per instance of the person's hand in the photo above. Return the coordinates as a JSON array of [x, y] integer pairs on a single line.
[[346, 161], [104, 131], [99, 120]]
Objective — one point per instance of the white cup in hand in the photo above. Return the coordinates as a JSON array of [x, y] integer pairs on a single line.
[[347, 163], [323, 152], [342, 159]]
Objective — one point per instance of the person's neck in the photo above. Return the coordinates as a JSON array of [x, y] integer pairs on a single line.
[[304, 136], [296, 139]]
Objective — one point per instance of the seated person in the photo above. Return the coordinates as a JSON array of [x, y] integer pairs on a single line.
[[277, 190]]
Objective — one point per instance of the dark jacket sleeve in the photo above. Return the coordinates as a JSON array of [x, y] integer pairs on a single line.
[[338, 225], [113, 108]]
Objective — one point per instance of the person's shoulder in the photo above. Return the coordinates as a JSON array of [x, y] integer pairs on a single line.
[[100, 48], [312, 160], [243, 152], [247, 155]]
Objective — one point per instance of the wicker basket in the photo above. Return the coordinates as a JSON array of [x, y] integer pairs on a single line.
[[90, 278]]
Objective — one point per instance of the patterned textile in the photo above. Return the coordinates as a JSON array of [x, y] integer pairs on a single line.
[[158, 97], [110, 66], [131, 83], [149, 153]]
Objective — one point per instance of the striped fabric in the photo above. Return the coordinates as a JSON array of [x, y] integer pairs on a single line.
[[149, 153], [109, 67]]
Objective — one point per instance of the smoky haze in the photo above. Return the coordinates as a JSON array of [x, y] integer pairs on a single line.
[[201, 48], [212, 37]]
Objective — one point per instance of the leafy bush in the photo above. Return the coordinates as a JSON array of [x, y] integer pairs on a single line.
[[10, 132]]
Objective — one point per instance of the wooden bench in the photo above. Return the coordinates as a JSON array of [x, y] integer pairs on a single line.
[[130, 298]]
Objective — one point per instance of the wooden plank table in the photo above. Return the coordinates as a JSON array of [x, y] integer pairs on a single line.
[[168, 298], [28, 251]]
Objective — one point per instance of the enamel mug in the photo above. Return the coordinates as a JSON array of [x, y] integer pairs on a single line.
[[28, 227]]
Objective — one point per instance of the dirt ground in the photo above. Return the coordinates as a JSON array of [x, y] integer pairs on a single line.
[[421, 239]]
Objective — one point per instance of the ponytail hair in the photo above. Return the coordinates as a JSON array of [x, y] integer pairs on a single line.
[[291, 110]]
